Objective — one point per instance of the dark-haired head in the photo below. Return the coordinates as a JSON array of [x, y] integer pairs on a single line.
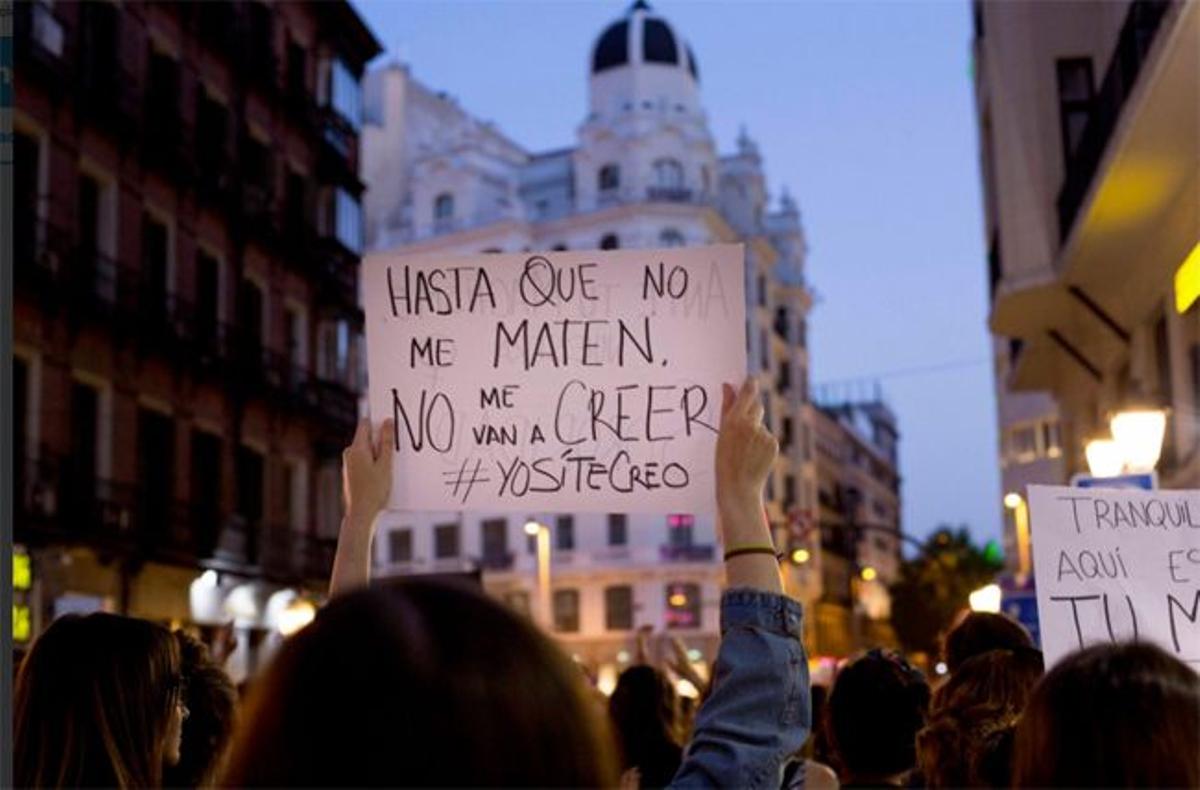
[[98, 702], [642, 709], [1112, 715], [979, 632], [878, 704], [212, 703], [424, 683]]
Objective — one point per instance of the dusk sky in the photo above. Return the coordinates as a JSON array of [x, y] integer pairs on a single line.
[[864, 111]]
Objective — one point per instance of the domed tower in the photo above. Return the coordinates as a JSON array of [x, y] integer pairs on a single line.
[[646, 136]]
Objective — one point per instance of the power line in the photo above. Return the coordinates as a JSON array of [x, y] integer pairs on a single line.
[[921, 370]]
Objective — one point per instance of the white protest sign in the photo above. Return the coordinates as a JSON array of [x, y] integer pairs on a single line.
[[568, 381], [1117, 565]]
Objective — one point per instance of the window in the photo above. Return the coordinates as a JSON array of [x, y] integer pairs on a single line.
[[564, 533], [618, 529], [156, 470], [683, 605], [341, 217], [618, 608], [297, 65], [668, 174], [250, 315], [85, 442], [764, 349], [295, 196], [335, 349], [609, 242], [609, 178], [211, 135], [560, 247], [26, 203], [566, 610], [345, 93], [1022, 446], [162, 97], [789, 490], [256, 162], [249, 474], [1075, 94], [1051, 439], [207, 453], [443, 207], [208, 289], [400, 545], [785, 434], [785, 375], [670, 237], [679, 529], [445, 541], [495, 541], [155, 262]]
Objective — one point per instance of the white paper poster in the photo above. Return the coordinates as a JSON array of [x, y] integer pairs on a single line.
[[1117, 565], [557, 381]]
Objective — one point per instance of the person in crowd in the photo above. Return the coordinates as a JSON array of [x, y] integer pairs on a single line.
[[427, 683], [811, 765], [979, 632], [99, 702], [212, 702], [968, 740], [642, 712], [876, 708], [1112, 715]]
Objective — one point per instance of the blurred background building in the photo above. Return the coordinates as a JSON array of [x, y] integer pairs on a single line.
[[858, 493], [645, 172], [186, 319], [1089, 128]]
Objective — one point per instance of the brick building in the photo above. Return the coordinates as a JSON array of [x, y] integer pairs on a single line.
[[186, 324]]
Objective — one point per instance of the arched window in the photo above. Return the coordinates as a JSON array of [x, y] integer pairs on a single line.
[[443, 207], [610, 242], [670, 237], [668, 174], [609, 178]]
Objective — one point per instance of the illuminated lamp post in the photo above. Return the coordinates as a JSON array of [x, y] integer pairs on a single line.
[[541, 532]]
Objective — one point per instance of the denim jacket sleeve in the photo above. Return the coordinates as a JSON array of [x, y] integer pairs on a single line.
[[757, 714]]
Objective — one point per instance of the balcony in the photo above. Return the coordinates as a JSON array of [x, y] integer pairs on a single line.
[[337, 277], [337, 159], [1136, 38], [92, 286], [669, 195], [693, 553], [291, 557], [41, 251], [258, 211], [497, 561]]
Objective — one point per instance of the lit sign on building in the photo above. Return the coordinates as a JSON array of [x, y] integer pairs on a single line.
[[21, 623], [1187, 281], [22, 571]]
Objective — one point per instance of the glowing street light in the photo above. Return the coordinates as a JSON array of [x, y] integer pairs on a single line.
[[1104, 458], [985, 599], [536, 529], [868, 574], [1016, 503], [1138, 433], [298, 614], [800, 556]]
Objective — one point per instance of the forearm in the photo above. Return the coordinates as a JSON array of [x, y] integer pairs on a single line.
[[744, 524], [757, 713], [352, 561]]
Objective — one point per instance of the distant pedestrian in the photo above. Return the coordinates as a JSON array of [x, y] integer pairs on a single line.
[[1112, 715], [99, 702]]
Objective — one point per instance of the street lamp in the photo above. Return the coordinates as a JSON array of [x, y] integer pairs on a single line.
[[1016, 503], [869, 574], [1138, 432], [541, 532], [1104, 458], [800, 556], [985, 599]]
